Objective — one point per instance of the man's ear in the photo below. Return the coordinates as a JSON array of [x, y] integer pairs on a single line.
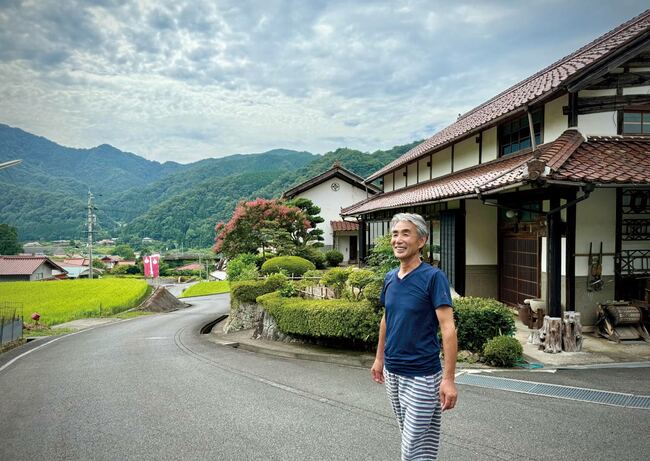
[[422, 242]]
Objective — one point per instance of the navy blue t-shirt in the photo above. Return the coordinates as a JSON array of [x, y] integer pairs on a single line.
[[412, 347]]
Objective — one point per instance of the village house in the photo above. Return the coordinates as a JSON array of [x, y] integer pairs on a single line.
[[28, 268], [331, 191], [542, 191]]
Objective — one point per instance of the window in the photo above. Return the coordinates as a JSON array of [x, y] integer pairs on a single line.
[[514, 135], [636, 122]]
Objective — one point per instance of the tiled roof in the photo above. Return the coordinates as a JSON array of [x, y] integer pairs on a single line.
[[190, 267], [596, 159], [608, 160], [342, 226], [76, 262], [534, 88], [23, 265], [337, 171]]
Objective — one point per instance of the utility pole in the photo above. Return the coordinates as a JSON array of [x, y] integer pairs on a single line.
[[91, 220]]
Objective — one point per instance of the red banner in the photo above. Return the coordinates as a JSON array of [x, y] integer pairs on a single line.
[[151, 265]]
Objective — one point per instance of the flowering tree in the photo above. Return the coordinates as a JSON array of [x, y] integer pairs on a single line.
[[261, 224]]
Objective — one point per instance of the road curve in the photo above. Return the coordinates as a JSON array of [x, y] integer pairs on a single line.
[[155, 388]]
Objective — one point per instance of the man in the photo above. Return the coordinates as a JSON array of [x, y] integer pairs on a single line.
[[417, 300]]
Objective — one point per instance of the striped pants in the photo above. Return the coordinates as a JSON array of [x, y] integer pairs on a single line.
[[416, 403]]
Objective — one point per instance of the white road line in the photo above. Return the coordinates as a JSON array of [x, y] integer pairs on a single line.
[[6, 365]]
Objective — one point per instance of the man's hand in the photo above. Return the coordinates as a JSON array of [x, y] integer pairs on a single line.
[[448, 394], [377, 371]]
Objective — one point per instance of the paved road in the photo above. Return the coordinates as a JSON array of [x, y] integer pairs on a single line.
[[154, 388]]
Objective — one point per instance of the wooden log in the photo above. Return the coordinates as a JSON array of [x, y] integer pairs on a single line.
[[550, 335], [571, 332]]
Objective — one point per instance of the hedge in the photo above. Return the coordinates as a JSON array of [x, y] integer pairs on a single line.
[[249, 290], [327, 318], [291, 265], [479, 320]]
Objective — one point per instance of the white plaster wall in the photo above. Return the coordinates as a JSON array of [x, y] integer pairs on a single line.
[[388, 182], [637, 90], [331, 202], [465, 154], [400, 179], [596, 222], [544, 258], [555, 122], [441, 163], [601, 124], [424, 169], [490, 145], [481, 233], [412, 174], [593, 93]]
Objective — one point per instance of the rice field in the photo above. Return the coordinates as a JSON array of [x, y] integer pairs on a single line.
[[65, 300], [206, 288]]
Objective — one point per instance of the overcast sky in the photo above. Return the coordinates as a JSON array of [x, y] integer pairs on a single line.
[[184, 80]]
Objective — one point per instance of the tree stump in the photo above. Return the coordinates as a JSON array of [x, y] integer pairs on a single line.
[[550, 335], [571, 332]]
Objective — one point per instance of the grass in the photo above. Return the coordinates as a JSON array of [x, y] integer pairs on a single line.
[[206, 288], [65, 300]]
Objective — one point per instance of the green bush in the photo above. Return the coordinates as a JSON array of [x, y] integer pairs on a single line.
[[248, 291], [336, 279], [372, 292], [502, 351], [292, 265], [310, 253], [381, 257], [359, 279], [334, 258], [310, 277], [242, 267], [479, 320], [323, 318]]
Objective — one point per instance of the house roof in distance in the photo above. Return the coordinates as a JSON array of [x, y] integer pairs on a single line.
[[24, 265], [535, 88], [337, 171], [344, 226]]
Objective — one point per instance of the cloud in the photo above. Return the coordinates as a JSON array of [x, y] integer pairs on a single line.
[[182, 80]]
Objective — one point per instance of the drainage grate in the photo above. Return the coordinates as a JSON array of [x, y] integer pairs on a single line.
[[553, 390]]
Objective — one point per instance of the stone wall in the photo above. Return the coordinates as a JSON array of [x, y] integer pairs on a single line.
[[243, 316]]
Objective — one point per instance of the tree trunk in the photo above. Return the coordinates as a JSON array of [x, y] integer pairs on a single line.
[[572, 332], [550, 335]]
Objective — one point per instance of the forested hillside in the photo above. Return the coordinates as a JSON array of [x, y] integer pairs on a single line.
[[45, 197]]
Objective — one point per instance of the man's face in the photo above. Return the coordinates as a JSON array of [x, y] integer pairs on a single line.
[[405, 240]]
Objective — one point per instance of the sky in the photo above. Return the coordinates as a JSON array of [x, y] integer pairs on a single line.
[[186, 80]]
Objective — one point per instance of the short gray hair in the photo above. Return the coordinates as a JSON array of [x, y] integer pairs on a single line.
[[415, 219]]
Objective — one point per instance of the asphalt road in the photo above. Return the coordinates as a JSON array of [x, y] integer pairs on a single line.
[[154, 388]]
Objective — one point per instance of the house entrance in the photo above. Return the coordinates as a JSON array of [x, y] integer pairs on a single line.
[[353, 248], [519, 268]]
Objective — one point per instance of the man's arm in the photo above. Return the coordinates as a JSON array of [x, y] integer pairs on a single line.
[[448, 392], [377, 370]]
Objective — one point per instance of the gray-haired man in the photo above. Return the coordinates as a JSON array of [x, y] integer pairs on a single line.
[[418, 301]]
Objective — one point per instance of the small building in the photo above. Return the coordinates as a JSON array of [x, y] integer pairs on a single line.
[[28, 268], [333, 190], [107, 242], [111, 261]]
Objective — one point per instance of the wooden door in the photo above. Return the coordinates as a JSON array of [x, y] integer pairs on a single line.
[[519, 268]]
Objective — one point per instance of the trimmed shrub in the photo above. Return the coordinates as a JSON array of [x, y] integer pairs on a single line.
[[248, 291], [381, 257], [479, 320], [242, 267], [312, 254], [372, 292], [334, 258], [359, 280], [312, 277], [323, 318], [336, 279], [502, 351], [292, 265]]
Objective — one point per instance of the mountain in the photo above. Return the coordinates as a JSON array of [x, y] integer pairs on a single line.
[[45, 196]]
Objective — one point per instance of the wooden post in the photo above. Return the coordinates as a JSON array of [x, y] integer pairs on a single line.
[[571, 332], [550, 335]]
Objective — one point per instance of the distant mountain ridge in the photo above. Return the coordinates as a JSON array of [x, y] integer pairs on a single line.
[[45, 196]]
